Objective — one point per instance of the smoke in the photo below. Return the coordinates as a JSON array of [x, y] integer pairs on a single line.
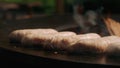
[[85, 21]]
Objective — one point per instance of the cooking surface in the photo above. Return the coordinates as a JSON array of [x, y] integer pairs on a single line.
[[7, 27]]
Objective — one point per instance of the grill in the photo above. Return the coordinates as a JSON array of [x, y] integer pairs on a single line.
[[35, 57]]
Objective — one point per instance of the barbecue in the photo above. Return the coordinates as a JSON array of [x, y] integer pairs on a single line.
[[60, 39]]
